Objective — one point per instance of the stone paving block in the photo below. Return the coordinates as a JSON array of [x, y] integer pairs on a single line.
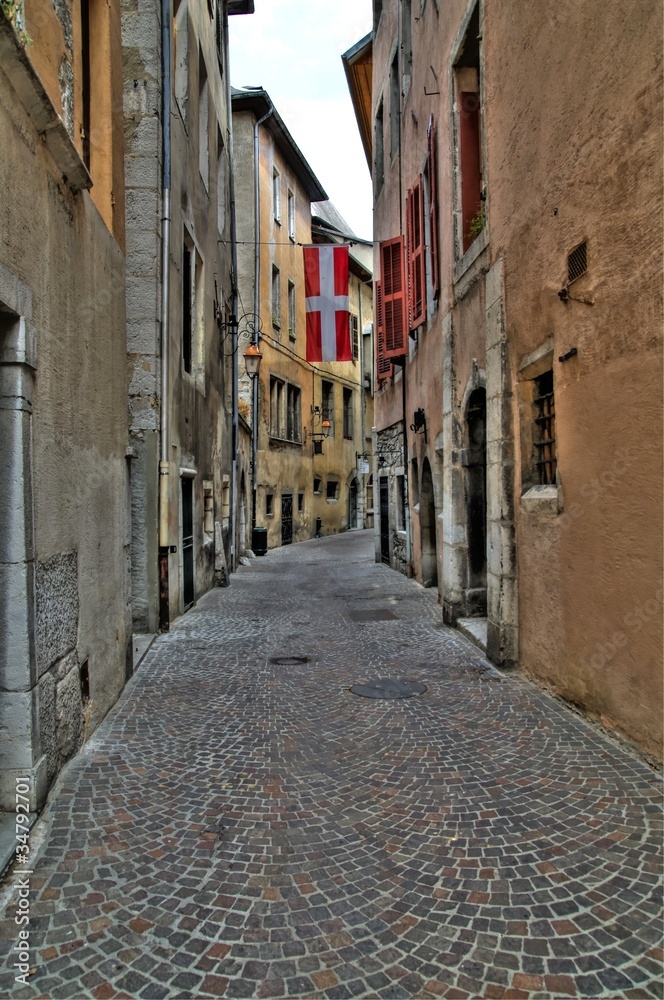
[[236, 828]]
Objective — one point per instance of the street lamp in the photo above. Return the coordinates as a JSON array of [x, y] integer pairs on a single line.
[[252, 359]]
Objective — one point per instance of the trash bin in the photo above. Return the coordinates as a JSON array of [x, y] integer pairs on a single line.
[[259, 541]]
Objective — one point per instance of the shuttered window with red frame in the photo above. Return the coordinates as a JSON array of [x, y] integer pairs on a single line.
[[432, 171], [383, 364], [392, 272], [415, 250]]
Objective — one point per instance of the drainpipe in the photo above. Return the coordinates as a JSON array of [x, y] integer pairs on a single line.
[[362, 477], [257, 274], [234, 305], [164, 458]]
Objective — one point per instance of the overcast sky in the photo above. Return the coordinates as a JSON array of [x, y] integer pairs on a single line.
[[293, 49]]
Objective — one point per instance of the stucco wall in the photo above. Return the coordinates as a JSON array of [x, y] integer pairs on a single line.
[[582, 160], [62, 272]]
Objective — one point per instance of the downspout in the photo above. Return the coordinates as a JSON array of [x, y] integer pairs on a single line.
[[409, 571], [362, 477], [257, 274], [164, 462], [234, 305]]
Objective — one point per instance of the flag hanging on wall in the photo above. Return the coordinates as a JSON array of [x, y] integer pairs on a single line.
[[326, 292]]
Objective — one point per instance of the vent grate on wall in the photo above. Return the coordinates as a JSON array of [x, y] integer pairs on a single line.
[[577, 262]]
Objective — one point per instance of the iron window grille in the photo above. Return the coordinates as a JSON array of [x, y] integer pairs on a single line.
[[545, 424], [577, 262]]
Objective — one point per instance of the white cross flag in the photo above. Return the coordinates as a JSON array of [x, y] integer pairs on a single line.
[[326, 291]]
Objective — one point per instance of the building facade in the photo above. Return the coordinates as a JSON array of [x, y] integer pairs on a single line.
[[306, 480], [181, 305], [65, 641], [506, 476]]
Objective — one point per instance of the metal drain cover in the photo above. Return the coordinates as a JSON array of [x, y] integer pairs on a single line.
[[389, 689], [288, 661], [378, 615]]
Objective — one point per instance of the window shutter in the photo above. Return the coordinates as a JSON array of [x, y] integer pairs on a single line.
[[433, 208], [383, 364], [394, 296], [417, 290]]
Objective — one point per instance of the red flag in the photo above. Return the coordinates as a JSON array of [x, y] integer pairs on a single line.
[[326, 292]]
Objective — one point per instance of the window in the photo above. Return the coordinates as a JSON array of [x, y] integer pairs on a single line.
[[577, 262], [292, 310], [317, 486], [332, 490], [369, 496], [467, 83], [221, 184], [300, 503], [192, 308], [181, 81], [348, 414], [432, 180], [203, 122], [415, 245], [187, 305], [276, 196], [276, 297], [545, 429], [393, 308], [285, 410], [395, 107], [379, 152], [406, 43], [377, 11], [367, 358], [327, 409], [293, 414], [269, 504], [354, 336], [291, 216], [276, 407]]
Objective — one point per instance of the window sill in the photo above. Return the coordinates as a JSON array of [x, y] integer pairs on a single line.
[[471, 255], [331, 499], [34, 98], [540, 500], [283, 440]]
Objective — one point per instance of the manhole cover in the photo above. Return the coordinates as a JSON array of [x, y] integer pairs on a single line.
[[288, 661], [389, 689], [381, 615]]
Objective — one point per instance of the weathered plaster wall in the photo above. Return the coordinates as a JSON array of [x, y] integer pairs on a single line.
[[62, 273], [582, 159]]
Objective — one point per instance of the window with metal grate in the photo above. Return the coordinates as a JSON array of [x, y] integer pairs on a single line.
[[545, 423], [577, 262]]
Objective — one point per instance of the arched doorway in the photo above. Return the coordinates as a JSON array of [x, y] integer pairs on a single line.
[[476, 503], [428, 528]]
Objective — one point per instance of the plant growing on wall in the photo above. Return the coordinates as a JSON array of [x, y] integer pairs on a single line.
[[477, 223], [13, 10]]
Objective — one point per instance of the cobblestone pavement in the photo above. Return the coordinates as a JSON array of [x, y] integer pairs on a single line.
[[240, 828]]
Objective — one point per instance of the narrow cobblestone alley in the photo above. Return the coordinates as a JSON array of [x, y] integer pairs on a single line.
[[240, 827]]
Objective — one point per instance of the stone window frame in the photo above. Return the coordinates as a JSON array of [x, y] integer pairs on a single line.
[[535, 496]]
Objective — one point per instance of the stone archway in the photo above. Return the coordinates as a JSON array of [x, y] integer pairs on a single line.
[[428, 541]]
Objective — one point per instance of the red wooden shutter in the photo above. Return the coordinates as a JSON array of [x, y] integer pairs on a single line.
[[409, 256], [394, 296], [469, 120], [419, 288], [383, 364], [433, 208]]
